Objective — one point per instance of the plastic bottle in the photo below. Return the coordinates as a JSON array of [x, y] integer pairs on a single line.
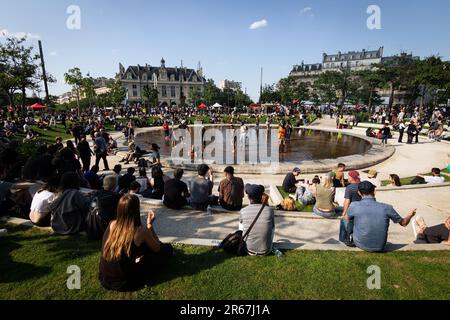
[[277, 252]]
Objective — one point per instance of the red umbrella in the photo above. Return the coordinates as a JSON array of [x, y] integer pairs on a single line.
[[38, 106], [202, 106]]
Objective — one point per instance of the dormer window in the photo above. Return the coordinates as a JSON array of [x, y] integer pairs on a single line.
[[194, 78], [129, 77], [172, 77]]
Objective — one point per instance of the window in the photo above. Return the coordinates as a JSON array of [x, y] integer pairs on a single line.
[[172, 91], [172, 77], [129, 77], [164, 91], [194, 78], [134, 93], [134, 86]]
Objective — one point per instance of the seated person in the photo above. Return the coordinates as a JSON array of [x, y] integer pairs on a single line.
[[372, 178], [231, 191], [40, 205], [134, 189], [305, 193], [131, 253], [176, 191], [287, 204], [290, 181], [339, 176], [156, 187], [370, 132], [394, 181], [201, 189], [435, 178], [371, 219], [435, 234], [126, 179], [70, 207], [143, 180], [92, 177], [108, 200], [260, 238], [325, 193]]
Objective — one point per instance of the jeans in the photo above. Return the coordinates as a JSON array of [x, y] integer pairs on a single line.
[[384, 139], [99, 156], [346, 231], [337, 212]]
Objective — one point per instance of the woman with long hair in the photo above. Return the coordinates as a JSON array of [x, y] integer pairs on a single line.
[[325, 205], [131, 253], [394, 180]]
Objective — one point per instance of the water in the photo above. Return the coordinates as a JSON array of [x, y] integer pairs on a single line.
[[304, 145]]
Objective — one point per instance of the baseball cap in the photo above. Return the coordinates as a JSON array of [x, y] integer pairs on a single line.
[[254, 191], [354, 174], [366, 187], [296, 170]]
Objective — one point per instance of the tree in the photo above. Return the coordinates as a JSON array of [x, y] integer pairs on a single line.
[[432, 75], [269, 94], [151, 95], [326, 87], [117, 92], [74, 78], [195, 95], [367, 94], [211, 92], [88, 89], [18, 69]]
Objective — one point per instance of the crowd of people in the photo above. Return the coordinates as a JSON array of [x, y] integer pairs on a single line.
[[73, 196]]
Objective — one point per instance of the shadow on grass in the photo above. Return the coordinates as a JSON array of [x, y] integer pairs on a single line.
[[13, 271]]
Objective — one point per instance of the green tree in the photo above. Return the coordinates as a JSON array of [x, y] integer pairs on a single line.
[[270, 94], [88, 89], [117, 92], [74, 78], [326, 87], [211, 92], [18, 69]]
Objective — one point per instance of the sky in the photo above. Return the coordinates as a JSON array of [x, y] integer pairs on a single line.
[[232, 39]]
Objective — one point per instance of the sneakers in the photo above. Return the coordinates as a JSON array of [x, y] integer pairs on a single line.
[[209, 210]]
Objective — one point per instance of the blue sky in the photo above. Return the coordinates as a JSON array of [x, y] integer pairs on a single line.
[[218, 34]]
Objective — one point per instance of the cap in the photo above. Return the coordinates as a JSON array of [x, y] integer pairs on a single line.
[[296, 170], [354, 174], [254, 191], [366, 187], [372, 173]]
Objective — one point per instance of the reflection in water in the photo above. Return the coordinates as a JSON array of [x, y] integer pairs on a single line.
[[303, 145]]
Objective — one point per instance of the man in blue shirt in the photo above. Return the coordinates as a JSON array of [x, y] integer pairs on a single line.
[[371, 219]]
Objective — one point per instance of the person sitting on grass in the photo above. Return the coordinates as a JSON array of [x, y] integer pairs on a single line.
[[371, 220], [423, 179], [325, 194], [93, 178], [305, 193], [290, 181], [70, 207], [372, 178], [435, 234], [176, 191], [394, 181], [231, 191], [131, 253], [260, 238], [40, 205]]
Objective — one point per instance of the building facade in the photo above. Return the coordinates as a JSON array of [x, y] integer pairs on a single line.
[[353, 60], [173, 83], [230, 85]]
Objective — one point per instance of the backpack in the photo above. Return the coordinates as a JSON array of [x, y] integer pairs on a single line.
[[95, 226]]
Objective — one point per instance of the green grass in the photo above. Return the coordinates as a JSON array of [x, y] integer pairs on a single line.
[[34, 264], [299, 205]]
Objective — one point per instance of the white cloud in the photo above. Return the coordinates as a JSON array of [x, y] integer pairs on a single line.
[[307, 11], [258, 24], [53, 53], [4, 33]]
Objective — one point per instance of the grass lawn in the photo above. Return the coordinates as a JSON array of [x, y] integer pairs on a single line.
[[299, 205], [34, 264]]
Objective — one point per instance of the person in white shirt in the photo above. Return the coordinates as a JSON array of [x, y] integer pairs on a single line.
[[40, 205], [435, 178]]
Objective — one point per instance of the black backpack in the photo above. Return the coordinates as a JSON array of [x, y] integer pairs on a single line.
[[95, 226]]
